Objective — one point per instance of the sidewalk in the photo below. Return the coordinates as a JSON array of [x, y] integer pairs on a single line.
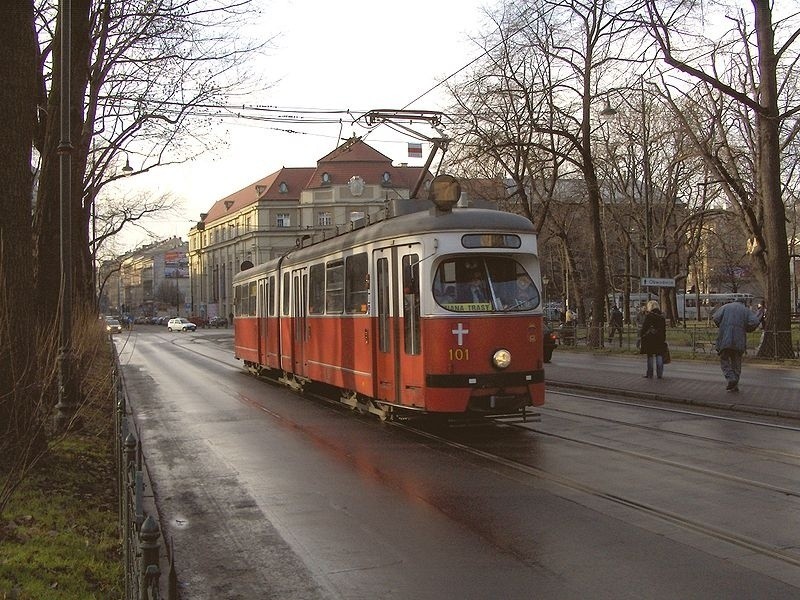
[[766, 389]]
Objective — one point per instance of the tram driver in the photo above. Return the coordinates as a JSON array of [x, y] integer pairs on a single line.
[[524, 296]]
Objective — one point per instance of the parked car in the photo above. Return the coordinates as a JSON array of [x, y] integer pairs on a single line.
[[199, 321], [218, 322], [181, 324], [550, 341], [113, 326]]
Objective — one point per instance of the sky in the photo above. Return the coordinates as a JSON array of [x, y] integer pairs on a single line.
[[350, 54]]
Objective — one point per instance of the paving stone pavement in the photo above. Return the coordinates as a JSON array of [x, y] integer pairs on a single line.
[[765, 388]]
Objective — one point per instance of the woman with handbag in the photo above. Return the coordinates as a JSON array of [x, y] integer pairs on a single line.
[[653, 339]]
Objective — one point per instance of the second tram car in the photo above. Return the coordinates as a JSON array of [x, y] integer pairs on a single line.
[[433, 312]]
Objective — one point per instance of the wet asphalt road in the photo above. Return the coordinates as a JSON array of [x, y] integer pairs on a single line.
[[270, 495]]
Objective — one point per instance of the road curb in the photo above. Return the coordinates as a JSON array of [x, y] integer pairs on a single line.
[[746, 408]]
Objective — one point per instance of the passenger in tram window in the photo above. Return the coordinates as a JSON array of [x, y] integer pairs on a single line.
[[448, 296], [475, 291]]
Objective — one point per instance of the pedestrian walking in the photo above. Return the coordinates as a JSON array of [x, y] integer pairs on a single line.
[[653, 338], [734, 320], [615, 324], [761, 313]]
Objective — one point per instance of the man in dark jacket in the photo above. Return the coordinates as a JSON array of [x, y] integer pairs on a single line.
[[615, 325], [734, 320], [653, 339]]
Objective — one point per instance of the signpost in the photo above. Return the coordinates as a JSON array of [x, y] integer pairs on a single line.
[[658, 282]]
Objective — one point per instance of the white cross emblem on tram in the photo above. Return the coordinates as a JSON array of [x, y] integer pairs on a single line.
[[460, 332]]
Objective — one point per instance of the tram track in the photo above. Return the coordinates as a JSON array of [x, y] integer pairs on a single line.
[[671, 463], [685, 522], [661, 514], [788, 457], [639, 455]]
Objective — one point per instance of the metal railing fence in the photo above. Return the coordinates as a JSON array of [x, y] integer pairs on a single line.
[[139, 528], [694, 340]]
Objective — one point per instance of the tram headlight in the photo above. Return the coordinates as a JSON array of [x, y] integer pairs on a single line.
[[501, 358]]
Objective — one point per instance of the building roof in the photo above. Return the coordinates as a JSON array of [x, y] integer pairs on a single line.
[[352, 158], [266, 188], [357, 158]]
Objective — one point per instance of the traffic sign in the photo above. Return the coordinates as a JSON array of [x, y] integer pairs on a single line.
[[658, 282]]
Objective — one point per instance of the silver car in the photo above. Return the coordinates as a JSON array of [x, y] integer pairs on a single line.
[[181, 324], [113, 326]]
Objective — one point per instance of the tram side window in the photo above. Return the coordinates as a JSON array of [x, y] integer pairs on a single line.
[[252, 298], [316, 290], [262, 297], [285, 301], [272, 296], [411, 321], [356, 283], [382, 295], [334, 287], [237, 298]]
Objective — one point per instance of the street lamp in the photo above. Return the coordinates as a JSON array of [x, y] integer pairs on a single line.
[[127, 169], [608, 110], [660, 250]]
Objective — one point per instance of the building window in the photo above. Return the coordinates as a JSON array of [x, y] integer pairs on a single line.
[[326, 178], [283, 188], [283, 220], [324, 219]]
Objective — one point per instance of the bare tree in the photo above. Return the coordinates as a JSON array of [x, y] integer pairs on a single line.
[[541, 84], [739, 74], [141, 72]]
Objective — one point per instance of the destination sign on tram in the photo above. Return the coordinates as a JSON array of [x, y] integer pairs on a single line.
[[658, 281]]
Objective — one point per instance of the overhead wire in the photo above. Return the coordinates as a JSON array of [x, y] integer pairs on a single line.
[[306, 116]]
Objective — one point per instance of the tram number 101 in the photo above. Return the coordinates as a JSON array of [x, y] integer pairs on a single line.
[[459, 354]]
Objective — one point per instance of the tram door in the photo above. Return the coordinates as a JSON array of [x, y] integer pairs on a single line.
[[299, 294], [263, 345], [399, 365]]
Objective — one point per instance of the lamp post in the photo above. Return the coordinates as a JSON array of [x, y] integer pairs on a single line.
[[127, 170], [545, 281], [646, 184], [67, 390], [660, 250]]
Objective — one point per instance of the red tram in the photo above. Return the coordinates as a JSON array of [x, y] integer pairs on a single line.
[[434, 311]]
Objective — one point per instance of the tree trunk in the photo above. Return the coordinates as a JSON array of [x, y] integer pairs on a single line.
[[48, 202], [19, 321], [778, 338]]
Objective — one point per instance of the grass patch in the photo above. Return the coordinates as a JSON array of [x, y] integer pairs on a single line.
[[59, 534]]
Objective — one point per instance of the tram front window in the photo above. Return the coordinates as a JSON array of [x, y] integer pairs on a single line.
[[490, 284]]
